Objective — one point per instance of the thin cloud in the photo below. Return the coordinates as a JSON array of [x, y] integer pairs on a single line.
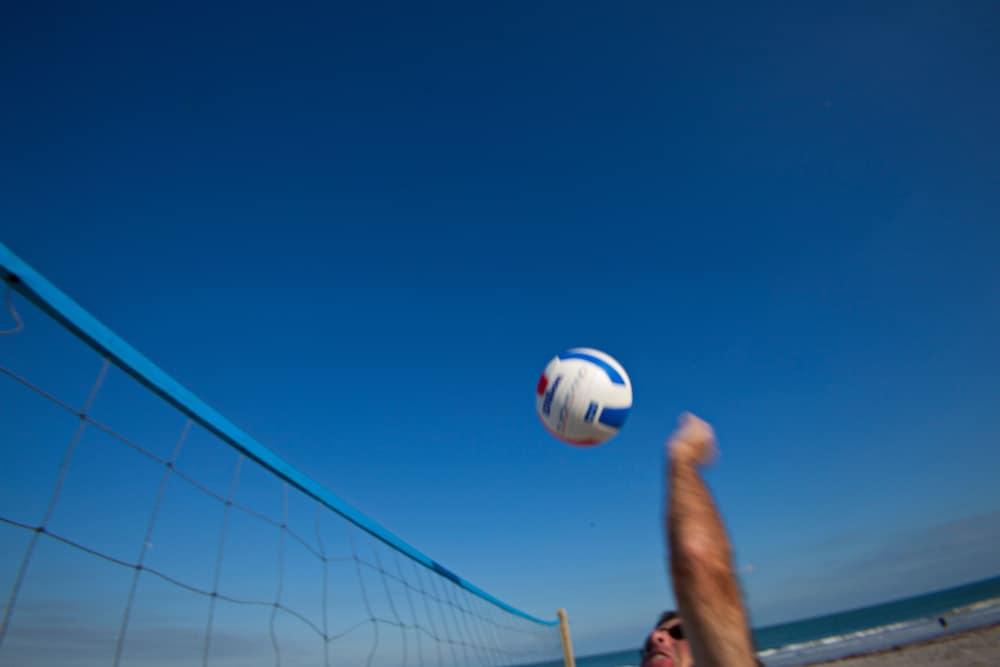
[[893, 566]]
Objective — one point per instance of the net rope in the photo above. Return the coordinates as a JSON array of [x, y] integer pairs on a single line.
[[403, 613]]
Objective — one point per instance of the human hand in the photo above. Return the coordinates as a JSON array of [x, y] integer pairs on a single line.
[[693, 442]]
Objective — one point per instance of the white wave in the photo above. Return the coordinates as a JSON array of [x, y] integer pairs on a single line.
[[845, 638], [873, 632], [977, 606]]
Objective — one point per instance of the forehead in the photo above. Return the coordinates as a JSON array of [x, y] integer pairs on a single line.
[[666, 625]]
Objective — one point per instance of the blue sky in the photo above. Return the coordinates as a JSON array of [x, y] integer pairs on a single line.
[[361, 232]]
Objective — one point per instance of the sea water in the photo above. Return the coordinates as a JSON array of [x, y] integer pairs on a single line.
[[882, 626], [859, 631]]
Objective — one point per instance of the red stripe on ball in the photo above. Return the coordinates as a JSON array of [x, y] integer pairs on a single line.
[[543, 383]]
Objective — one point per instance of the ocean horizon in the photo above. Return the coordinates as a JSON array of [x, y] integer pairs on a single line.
[[857, 631]]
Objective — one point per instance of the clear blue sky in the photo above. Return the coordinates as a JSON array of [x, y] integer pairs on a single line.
[[360, 230]]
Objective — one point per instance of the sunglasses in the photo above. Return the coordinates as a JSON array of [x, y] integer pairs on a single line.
[[675, 631]]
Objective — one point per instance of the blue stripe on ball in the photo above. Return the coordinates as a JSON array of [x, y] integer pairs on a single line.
[[614, 417], [614, 375]]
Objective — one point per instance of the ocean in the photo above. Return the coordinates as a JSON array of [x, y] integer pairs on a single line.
[[859, 630]]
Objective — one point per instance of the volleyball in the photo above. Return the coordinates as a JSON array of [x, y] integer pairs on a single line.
[[583, 396]]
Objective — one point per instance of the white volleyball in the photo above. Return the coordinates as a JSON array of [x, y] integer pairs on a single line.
[[583, 396]]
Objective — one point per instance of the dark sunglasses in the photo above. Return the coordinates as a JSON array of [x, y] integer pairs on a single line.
[[675, 631]]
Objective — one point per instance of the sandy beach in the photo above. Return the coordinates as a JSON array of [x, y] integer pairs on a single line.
[[976, 647]]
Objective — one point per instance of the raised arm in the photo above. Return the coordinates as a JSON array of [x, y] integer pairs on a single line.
[[708, 595]]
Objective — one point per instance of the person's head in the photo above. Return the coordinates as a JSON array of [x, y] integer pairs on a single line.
[[666, 646]]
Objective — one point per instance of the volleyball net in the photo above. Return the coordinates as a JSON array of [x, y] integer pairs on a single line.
[[140, 527]]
